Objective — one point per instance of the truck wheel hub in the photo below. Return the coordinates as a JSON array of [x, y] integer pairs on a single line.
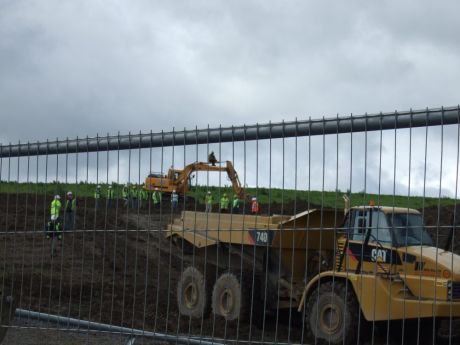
[[330, 319], [191, 295], [226, 302]]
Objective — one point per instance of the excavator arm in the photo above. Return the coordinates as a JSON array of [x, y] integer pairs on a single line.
[[182, 181]]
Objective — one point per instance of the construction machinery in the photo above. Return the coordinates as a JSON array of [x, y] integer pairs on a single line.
[[373, 264], [179, 179]]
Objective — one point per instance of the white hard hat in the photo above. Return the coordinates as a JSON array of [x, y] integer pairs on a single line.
[[254, 198], [53, 217], [209, 192], [69, 193], [57, 197]]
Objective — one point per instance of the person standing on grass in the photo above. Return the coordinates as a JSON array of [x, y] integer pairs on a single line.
[[224, 203], [174, 200], [236, 204], [70, 209], [156, 197], [254, 206], [109, 196], [208, 200], [97, 196]]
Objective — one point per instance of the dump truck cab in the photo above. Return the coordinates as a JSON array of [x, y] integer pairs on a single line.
[[387, 269], [394, 241]]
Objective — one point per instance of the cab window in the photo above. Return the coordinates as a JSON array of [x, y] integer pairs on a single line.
[[374, 219], [380, 229], [360, 223]]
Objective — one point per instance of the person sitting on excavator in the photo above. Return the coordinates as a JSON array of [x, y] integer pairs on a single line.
[[212, 159]]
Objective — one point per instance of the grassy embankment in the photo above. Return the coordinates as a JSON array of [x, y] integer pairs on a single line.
[[265, 195]]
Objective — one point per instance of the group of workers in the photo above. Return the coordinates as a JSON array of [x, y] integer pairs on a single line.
[[224, 204], [137, 197], [133, 197], [54, 225]]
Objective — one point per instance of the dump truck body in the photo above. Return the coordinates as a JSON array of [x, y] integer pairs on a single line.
[[379, 261]]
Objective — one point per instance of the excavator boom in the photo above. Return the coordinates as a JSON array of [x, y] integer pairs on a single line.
[[179, 180]]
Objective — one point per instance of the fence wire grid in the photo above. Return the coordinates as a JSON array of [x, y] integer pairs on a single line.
[[337, 230]]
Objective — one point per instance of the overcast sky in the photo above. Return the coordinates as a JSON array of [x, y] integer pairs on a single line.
[[71, 68]]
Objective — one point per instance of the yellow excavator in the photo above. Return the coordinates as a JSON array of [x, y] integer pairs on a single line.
[[180, 179]]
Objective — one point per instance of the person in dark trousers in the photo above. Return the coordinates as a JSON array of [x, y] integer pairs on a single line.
[[109, 197], [53, 231], [54, 228], [70, 209]]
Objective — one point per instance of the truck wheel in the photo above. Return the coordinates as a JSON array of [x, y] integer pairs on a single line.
[[192, 293], [332, 314], [229, 300]]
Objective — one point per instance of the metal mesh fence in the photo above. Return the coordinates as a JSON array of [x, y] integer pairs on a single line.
[[340, 231]]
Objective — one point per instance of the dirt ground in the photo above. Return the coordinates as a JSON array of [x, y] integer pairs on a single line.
[[113, 270]]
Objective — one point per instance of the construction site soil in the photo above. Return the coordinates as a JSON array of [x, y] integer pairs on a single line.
[[118, 268]]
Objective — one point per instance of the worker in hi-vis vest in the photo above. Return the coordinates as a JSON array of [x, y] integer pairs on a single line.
[[208, 200], [156, 198], [53, 227], [236, 204], [224, 202]]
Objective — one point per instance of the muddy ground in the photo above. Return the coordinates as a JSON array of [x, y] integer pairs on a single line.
[[113, 270]]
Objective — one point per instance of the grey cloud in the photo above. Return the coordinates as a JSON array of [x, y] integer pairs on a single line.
[[80, 68]]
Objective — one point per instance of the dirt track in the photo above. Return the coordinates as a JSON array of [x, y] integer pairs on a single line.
[[123, 276]]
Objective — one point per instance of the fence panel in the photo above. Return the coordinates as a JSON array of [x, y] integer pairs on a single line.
[[340, 230]]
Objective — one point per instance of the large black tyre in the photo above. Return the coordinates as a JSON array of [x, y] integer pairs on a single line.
[[231, 299], [193, 293], [332, 314]]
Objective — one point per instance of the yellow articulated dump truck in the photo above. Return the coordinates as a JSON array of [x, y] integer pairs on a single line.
[[372, 264]]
